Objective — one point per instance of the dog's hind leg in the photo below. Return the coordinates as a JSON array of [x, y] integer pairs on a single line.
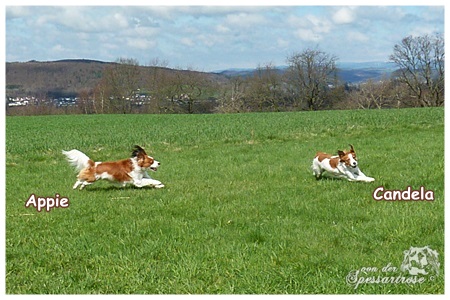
[[318, 175], [85, 177], [317, 171]]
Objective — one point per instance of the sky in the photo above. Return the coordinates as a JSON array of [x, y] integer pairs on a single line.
[[210, 38]]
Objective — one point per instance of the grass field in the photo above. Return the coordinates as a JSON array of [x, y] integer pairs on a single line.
[[241, 212]]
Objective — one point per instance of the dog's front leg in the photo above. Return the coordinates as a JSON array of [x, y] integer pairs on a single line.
[[350, 176], [344, 172], [153, 183], [148, 182], [360, 176], [365, 178]]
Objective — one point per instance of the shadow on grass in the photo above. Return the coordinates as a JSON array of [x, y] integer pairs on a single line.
[[113, 187]]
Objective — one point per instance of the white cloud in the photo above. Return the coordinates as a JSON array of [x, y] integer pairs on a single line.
[[320, 25], [58, 48], [308, 35], [343, 15], [356, 36], [139, 43], [310, 28], [282, 43], [244, 19], [187, 42], [17, 12], [207, 39], [83, 19], [120, 20], [143, 32], [422, 30], [222, 29]]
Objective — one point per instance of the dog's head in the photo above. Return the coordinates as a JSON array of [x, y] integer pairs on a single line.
[[143, 160], [348, 157]]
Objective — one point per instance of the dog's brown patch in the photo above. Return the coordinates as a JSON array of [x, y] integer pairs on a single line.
[[334, 162], [321, 156], [119, 170]]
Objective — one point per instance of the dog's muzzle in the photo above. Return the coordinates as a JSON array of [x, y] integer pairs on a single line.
[[155, 166]]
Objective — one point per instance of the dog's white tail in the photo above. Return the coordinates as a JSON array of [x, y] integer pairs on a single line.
[[77, 159]]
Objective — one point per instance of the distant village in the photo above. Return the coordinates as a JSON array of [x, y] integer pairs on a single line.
[[32, 100], [136, 100]]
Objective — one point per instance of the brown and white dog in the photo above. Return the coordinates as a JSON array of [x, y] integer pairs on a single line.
[[132, 170], [344, 165]]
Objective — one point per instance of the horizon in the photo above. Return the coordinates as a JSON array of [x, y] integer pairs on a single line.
[[364, 64]]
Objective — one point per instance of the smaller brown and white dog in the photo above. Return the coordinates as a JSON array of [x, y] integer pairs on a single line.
[[132, 170], [344, 165]]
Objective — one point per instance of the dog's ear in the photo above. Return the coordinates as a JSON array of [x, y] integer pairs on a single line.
[[351, 148], [341, 153], [138, 151]]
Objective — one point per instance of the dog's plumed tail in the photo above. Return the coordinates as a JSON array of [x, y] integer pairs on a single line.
[[78, 159]]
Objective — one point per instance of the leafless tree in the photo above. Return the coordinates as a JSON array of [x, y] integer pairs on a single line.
[[265, 89], [421, 62], [192, 86], [122, 82], [86, 102], [311, 73], [373, 94], [231, 99], [159, 81]]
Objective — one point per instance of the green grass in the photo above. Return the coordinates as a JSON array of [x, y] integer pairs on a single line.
[[241, 212]]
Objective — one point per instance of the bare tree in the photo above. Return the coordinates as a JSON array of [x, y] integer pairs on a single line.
[[185, 88], [99, 97], [421, 62], [311, 73], [265, 88], [122, 83], [373, 94], [86, 102], [159, 82], [231, 99], [192, 85]]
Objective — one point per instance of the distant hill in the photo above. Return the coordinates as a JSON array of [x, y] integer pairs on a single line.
[[63, 78], [68, 77], [356, 72], [350, 72]]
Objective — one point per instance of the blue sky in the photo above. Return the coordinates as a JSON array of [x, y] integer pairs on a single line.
[[208, 38]]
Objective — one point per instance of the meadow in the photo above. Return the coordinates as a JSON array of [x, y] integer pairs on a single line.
[[241, 212]]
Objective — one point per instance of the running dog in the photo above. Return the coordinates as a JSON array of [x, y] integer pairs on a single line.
[[344, 165], [127, 171]]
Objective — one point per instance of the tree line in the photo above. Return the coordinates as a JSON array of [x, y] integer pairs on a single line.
[[309, 82]]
